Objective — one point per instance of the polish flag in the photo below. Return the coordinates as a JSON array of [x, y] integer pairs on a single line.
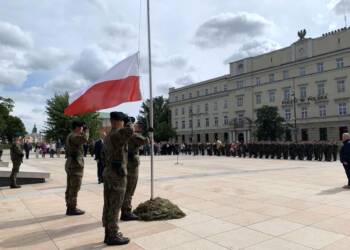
[[118, 85]]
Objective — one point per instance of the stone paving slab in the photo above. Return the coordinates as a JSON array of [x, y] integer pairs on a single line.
[[231, 203]]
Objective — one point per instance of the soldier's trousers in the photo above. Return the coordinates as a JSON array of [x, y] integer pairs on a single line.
[[14, 172], [132, 177], [114, 191], [347, 172], [74, 179]]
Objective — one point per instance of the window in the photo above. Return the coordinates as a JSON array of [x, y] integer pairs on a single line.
[[183, 96], [207, 122], [176, 112], [206, 107], [341, 85], [304, 135], [225, 104], [190, 110], [271, 77], [258, 99], [286, 94], [342, 108], [302, 71], [183, 111], [225, 120], [320, 89], [303, 93], [198, 123], [240, 84], [240, 101], [323, 134], [198, 93], [215, 89], [285, 74], [258, 81], [272, 96], [198, 109], [287, 114], [190, 95], [206, 92], [323, 111], [303, 113], [216, 121], [215, 106], [183, 124], [225, 87], [319, 67], [342, 130], [340, 63], [176, 98], [190, 124], [176, 124]]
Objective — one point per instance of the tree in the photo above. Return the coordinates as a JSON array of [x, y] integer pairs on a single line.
[[162, 124], [58, 125], [269, 124], [15, 128]]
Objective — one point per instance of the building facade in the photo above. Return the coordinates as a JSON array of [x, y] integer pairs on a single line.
[[308, 82]]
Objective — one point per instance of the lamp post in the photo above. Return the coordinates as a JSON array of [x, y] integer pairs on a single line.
[[295, 116]]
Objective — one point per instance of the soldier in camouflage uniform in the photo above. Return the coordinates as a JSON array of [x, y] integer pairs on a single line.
[[75, 166], [1, 150], [16, 153], [115, 155], [134, 144], [335, 150]]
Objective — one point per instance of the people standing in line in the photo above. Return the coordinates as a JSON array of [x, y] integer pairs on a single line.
[[134, 144], [52, 149], [345, 157], [98, 157], [58, 148], [16, 153], [115, 176], [37, 150], [27, 147], [75, 166]]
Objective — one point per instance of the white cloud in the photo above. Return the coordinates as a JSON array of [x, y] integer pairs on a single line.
[[13, 36], [226, 28], [68, 81], [173, 61], [253, 48], [184, 80], [340, 7], [10, 76]]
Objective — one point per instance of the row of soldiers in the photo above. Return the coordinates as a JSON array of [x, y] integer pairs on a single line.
[[320, 151]]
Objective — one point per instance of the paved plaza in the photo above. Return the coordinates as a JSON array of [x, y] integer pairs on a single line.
[[231, 203]]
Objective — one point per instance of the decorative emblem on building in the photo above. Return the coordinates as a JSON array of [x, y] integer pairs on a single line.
[[302, 34]]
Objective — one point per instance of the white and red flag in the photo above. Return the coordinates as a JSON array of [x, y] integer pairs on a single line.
[[118, 85]]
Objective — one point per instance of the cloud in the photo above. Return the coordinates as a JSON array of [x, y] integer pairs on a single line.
[[253, 48], [91, 64], [163, 89], [184, 80], [174, 61], [37, 110], [10, 76], [226, 28], [69, 82], [43, 59], [340, 7], [13, 36]]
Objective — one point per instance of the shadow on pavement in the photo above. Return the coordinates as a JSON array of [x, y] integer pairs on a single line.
[[333, 191], [26, 222]]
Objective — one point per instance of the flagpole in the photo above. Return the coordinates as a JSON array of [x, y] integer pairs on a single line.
[[150, 94]]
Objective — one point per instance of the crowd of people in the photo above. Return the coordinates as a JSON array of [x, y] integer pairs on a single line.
[[320, 151]]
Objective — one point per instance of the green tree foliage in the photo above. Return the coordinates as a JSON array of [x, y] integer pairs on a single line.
[[269, 124], [162, 123], [10, 126], [58, 125]]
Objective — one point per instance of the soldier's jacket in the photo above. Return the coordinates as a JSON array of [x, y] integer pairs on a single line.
[[134, 144], [16, 153], [74, 151], [115, 152]]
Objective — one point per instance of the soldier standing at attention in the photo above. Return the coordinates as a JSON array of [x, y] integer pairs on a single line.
[[134, 144], [345, 157], [75, 165], [16, 153], [115, 176]]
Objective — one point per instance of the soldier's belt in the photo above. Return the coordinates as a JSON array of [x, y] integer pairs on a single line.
[[117, 166]]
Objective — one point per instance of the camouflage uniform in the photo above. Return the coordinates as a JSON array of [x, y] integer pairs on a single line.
[[16, 153], [74, 167], [115, 155], [134, 144]]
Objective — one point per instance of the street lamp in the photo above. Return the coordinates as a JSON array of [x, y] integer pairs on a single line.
[[295, 116]]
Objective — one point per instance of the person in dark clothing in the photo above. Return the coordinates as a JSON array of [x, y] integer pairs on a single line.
[[98, 158], [27, 148], [345, 157]]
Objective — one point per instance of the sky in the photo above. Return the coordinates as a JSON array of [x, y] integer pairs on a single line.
[[54, 46]]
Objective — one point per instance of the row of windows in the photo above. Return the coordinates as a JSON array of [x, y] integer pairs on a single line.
[[198, 93], [207, 123], [342, 110], [198, 108]]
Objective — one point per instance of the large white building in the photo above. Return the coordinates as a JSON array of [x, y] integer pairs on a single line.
[[314, 72]]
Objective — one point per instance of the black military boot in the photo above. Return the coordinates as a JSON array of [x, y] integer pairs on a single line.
[[128, 216], [117, 239], [74, 211], [15, 186]]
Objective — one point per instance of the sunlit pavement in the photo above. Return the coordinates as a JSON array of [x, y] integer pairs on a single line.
[[231, 203]]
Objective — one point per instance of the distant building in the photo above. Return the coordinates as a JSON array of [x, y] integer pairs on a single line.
[[314, 72], [105, 121]]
